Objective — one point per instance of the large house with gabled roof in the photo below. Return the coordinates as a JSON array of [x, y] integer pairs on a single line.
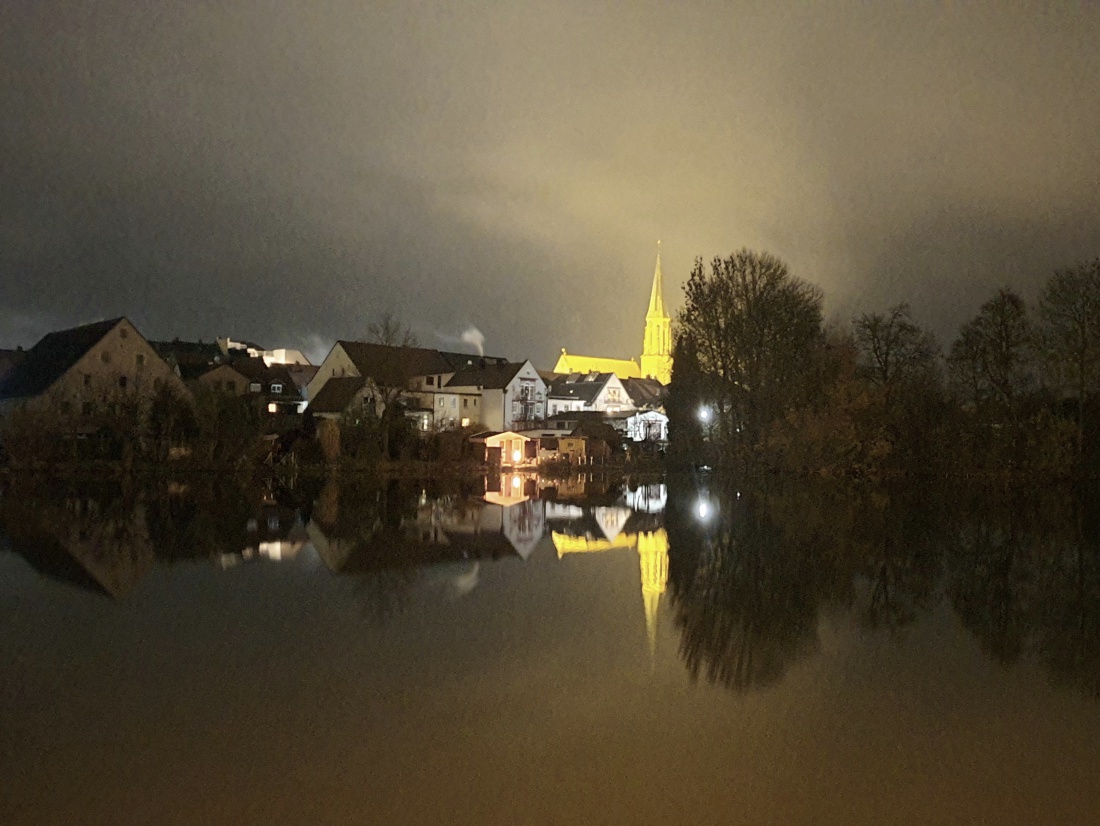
[[84, 371], [507, 396]]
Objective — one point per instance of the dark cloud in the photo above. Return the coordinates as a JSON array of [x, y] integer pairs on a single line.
[[284, 171]]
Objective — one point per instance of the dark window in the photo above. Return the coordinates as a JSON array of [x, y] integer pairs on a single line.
[[66, 407], [105, 357], [430, 381], [465, 402], [86, 408], [139, 359], [87, 379], [122, 382], [123, 332]]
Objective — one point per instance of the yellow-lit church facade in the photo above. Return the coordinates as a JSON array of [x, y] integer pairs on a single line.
[[656, 358]]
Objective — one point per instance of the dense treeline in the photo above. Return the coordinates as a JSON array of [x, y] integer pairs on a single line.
[[759, 379]]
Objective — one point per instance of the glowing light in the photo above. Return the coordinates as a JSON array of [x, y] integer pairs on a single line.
[[517, 455], [273, 408], [703, 510], [465, 422], [515, 481], [704, 414]]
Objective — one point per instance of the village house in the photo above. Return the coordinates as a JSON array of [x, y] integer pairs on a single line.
[[503, 396], [88, 370], [270, 387], [409, 375], [599, 392], [343, 396]]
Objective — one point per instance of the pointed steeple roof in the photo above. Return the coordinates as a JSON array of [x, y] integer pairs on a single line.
[[656, 295]]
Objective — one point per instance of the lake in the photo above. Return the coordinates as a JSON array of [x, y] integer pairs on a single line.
[[521, 650]]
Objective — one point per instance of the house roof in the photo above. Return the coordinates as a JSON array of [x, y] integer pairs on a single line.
[[645, 392], [52, 357], [461, 361], [490, 377], [302, 374], [394, 366], [336, 394], [584, 387], [188, 352]]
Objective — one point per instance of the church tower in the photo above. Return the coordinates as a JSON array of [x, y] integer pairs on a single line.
[[657, 346]]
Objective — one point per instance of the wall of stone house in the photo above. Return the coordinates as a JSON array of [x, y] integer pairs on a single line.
[[216, 379], [122, 365]]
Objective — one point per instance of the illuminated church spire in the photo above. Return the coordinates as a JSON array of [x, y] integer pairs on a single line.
[[656, 294], [657, 345]]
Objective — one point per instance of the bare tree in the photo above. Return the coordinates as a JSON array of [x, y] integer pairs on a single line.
[[1069, 331], [388, 329], [892, 348], [992, 355]]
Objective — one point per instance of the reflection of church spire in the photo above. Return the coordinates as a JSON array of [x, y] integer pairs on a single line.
[[653, 559]]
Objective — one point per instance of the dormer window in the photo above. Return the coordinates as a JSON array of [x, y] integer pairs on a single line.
[[276, 388]]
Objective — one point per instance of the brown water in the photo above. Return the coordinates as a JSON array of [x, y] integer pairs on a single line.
[[548, 654]]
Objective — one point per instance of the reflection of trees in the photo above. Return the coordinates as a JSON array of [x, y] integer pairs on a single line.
[[1024, 576], [897, 540], [746, 598]]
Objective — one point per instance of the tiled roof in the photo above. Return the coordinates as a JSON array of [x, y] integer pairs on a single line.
[[491, 377], [645, 393], [52, 357], [579, 386], [336, 394], [461, 361], [394, 366]]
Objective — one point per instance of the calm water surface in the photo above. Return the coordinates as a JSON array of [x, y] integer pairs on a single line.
[[573, 652]]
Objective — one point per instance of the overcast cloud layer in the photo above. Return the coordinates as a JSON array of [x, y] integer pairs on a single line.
[[283, 171]]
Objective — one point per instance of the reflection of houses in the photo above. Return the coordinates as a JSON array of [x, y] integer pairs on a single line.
[[82, 542], [504, 523]]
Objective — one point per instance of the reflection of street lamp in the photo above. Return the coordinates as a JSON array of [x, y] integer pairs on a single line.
[[515, 481]]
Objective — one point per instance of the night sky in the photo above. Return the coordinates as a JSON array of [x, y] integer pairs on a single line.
[[283, 172]]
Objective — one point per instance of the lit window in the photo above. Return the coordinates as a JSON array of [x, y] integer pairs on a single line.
[[442, 401], [254, 387], [465, 422], [276, 388], [273, 408]]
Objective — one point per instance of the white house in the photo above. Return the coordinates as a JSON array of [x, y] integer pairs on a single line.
[[599, 392], [509, 394]]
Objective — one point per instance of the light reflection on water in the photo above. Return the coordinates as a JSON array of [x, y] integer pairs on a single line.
[[868, 633]]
